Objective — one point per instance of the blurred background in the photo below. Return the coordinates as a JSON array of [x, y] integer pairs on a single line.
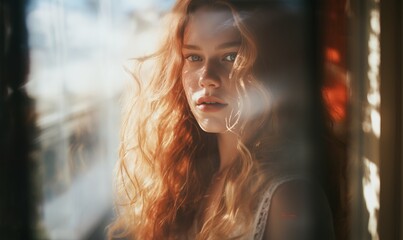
[[72, 55], [63, 70]]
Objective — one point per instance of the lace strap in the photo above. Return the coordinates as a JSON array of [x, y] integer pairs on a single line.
[[264, 206]]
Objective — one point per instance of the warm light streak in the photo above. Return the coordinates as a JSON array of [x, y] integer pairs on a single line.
[[372, 121], [372, 116], [371, 187]]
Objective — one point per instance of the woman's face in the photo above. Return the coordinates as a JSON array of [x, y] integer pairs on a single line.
[[210, 46]]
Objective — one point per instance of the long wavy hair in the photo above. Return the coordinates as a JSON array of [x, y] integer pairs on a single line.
[[167, 161]]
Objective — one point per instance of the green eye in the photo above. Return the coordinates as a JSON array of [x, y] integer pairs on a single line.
[[230, 57], [194, 58]]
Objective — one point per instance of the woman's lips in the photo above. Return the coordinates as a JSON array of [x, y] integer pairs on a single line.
[[210, 104], [211, 107]]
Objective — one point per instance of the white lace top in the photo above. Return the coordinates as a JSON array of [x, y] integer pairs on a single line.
[[262, 209], [264, 206]]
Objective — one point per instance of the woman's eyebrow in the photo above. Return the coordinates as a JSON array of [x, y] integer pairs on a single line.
[[229, 45], [191, 47], [221, 46]]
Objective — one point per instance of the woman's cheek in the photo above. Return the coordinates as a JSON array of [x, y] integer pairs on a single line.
[[189, 81]]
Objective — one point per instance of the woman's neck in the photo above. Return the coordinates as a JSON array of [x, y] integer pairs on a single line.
[[227, 147]]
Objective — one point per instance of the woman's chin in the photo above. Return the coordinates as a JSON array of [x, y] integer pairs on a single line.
[[212, 126]]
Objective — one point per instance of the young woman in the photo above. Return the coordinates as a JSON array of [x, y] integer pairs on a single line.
[[204, 151]]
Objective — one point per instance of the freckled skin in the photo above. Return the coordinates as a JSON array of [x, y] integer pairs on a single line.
[[214, 42]]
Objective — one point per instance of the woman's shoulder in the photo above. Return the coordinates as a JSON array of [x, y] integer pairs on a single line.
[[294, 207], [299, 210]]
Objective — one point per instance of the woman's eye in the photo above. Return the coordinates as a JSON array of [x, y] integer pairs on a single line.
[[230, 57], [194, 58]]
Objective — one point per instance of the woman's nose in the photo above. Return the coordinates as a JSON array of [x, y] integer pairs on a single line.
[[209, 77]]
